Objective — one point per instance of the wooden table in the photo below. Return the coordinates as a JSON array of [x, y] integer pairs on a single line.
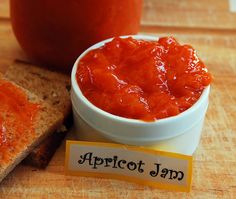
[[211, 28]]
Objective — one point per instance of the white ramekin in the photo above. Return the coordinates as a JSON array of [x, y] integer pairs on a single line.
[[180, 134]]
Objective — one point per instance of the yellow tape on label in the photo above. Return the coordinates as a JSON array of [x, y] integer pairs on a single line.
[[159, 169]]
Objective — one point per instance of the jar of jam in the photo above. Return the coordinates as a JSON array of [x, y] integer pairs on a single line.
[[55, 32]]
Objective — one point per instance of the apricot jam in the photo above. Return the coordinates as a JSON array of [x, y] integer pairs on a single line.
[[55, 32], [144, 80], [17, 118]]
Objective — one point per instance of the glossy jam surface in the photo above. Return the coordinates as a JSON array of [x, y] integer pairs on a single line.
[[17, 117], [144, 80]]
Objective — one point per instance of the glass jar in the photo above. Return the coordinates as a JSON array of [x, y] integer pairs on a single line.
[[55, 32]]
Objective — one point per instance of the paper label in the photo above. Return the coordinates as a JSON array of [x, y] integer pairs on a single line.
[[134, 164]]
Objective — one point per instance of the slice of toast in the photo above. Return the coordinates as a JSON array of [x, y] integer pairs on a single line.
[[53, 88], [46, 121]]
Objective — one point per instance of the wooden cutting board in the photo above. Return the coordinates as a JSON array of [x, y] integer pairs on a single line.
[[211, 28]]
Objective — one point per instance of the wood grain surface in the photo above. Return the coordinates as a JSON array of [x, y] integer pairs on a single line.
[[210, 27]]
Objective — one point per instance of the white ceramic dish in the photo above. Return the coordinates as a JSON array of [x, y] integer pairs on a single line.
[[180, 134]]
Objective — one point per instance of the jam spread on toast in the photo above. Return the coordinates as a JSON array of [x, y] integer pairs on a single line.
[[17, 118]]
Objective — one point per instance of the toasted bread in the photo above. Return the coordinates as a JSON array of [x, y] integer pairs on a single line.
[[46, 121], [53, 88]]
